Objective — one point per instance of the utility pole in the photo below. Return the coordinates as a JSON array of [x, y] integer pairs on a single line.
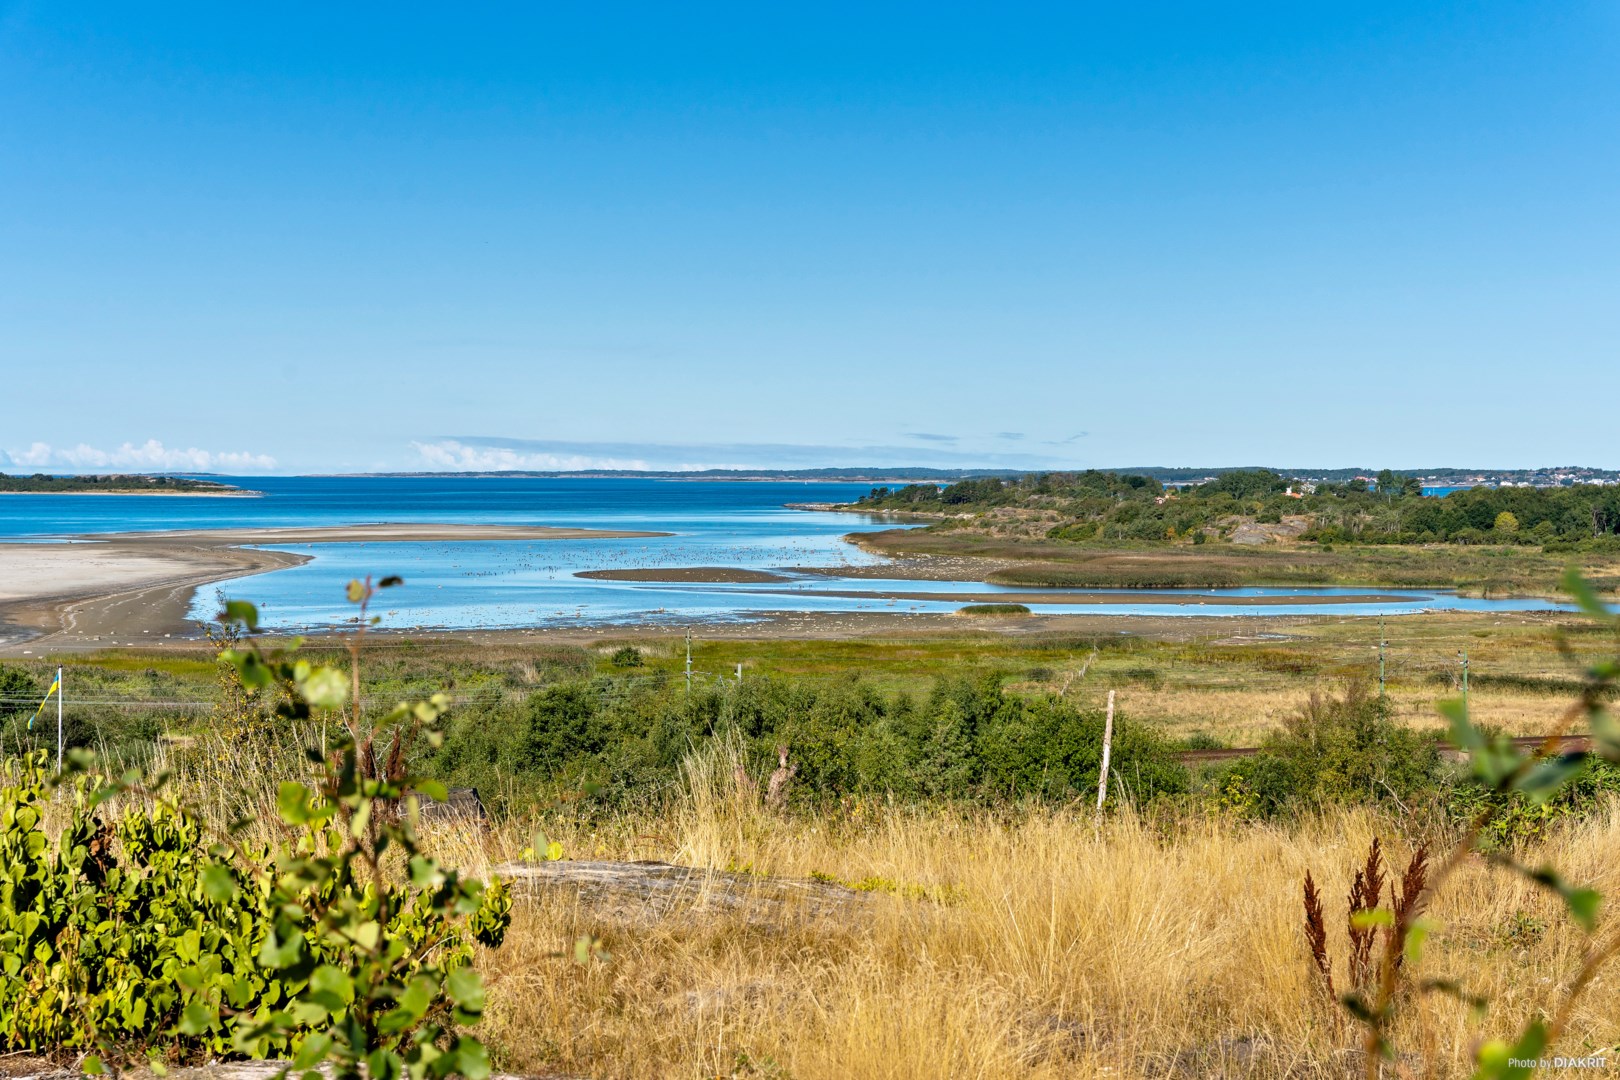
[[1464, 654], [59, 720]]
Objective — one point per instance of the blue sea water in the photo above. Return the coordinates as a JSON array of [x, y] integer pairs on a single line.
[[508, 583]]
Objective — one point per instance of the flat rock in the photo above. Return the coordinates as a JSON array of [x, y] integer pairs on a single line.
[[657, 891]]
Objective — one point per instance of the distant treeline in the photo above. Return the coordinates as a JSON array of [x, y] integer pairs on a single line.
[[1096, 505], [41, 482]]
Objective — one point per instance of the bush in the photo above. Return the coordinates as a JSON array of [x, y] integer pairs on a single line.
[[1346, 749], [137, 936], [965, 740]]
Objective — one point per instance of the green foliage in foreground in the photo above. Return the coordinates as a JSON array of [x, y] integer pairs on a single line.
[[137, 935], [965, 740], [133, 935]]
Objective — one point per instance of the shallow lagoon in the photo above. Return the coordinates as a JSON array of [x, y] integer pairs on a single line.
[[497, 584]]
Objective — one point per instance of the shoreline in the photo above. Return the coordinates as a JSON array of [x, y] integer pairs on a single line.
[[132, 588], [237, 493]]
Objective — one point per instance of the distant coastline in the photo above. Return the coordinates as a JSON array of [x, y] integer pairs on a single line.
[[197, 493]]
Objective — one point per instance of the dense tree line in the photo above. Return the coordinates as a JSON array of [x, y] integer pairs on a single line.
[[46, 484], [1096, 505]]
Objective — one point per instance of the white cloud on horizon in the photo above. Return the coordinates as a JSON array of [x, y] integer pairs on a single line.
[[150, 456], [470, 453], [457, 456]]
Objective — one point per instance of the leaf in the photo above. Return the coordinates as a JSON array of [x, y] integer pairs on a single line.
[[356, 591], [1545, 778], [361, 819], [1606, 733], [329, 980], [241, 613], [1581, 902], [366, 935], [197, 1018], [466, 989], [1497, 1059], [382, 1065], [1581, 591], [1463, 734], [325, 688], [433, 789], [92, 1065], [1371, 917], [473, 1059], [218, 883], [390, 581], [292, 802], [1416, 935]]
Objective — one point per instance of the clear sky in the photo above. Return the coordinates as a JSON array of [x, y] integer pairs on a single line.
[[344, 237]]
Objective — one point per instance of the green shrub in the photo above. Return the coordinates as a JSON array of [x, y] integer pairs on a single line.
[[135, 935], [845, 736], [1346, 749]]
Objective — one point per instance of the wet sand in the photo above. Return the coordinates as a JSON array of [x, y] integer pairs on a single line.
[[135, 588]]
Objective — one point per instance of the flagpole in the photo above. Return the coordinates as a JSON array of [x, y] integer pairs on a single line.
[[58, 719]]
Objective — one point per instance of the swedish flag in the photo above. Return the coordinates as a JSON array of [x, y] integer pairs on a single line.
[[56, 688]]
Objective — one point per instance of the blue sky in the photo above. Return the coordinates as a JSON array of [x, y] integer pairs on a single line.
[[351, 237]]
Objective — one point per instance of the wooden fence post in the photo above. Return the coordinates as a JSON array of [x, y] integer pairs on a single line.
[[1108, 742]]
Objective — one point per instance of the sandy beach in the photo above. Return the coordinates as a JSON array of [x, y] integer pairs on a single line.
[[135, 588]]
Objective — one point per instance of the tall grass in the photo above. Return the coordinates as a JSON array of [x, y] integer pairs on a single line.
[[1053, 945], [1019, 942]]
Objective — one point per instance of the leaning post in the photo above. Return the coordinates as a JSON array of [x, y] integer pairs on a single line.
[[1108, 741]]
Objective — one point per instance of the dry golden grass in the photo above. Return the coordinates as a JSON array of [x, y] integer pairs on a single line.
[[1244, 716], [1057, 947]]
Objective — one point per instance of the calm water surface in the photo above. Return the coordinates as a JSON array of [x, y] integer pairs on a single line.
[[531, 583]]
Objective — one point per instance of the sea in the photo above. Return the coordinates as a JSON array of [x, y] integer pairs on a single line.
[[532, 583]]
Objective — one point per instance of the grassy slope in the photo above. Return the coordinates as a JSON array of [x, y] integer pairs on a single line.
[[1035, 943], [1065, 950]]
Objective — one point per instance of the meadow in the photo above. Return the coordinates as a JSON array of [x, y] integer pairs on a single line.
[[982, 931]]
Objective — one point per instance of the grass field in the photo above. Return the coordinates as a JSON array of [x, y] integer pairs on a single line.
[[1233, 683], [994, 942], [1032, 560], [1013, 943]]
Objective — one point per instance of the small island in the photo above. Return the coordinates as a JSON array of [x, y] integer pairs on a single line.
[[113, 484]]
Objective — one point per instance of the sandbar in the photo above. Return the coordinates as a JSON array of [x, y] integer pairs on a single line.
[[674, 574]]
